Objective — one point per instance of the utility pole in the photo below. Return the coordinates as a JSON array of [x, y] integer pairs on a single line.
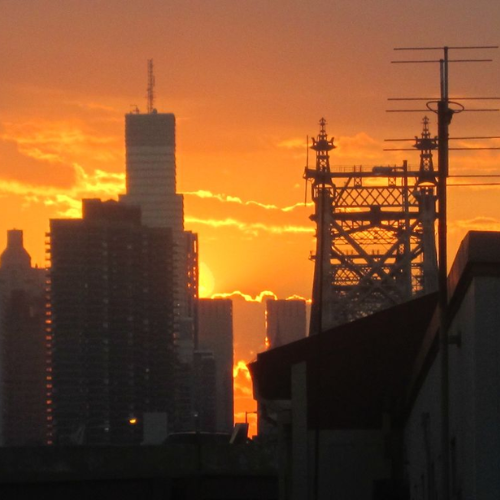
[[444, 114]]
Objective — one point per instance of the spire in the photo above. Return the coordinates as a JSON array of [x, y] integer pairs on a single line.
[[322, 145], [426, 144]]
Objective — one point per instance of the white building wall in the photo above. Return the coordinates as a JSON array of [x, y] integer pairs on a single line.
[[487, 388], [474, 396], [462, 388], [349, 460], [422, 439], [475, 392]]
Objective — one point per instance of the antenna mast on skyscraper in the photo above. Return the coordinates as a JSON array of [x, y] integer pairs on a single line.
[[151, 86]]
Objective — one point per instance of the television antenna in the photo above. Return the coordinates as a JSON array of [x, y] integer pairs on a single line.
[[445, 108]]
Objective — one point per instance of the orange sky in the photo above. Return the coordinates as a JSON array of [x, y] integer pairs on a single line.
[[247, 80]]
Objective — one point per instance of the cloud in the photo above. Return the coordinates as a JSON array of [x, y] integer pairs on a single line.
[[92, 106], [62, 141], [39, 164], [356, 143], [475, 184], [241, 368], [244, 391], [242, 380], [294, 143], [234, 199], [298, 297], [266, 294], [40, 169], [476, 224], [250, 228], [68, 201], [99, 182], [298, 205], [345, 145], [358, 149]]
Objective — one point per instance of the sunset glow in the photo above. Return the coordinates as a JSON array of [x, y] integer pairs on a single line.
[[206, 281], [248, 82], [244, 405]]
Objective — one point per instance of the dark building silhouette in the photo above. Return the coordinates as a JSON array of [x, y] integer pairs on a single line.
[[185, 337], [285, 321], [205, 391], [192, 276], [215, 334], [22, 346], [110, 337]]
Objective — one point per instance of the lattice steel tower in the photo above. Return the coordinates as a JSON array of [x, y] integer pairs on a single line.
[[375, 241]]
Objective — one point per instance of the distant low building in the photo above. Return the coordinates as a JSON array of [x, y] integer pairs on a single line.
[[285, 321], [22, 346], [215, 334]]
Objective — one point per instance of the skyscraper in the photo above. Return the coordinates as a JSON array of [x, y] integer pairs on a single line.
[[151, 185], [110, 336], [22, 346], [285, 321], [215, 334]]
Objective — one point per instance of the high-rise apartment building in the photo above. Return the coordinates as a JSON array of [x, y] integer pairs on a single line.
[[110, 329], [285, 321], [215, 334], [22, 346]]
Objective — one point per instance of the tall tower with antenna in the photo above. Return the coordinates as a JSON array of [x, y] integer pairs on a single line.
[[375, 244], [151, 164], [151, 184]]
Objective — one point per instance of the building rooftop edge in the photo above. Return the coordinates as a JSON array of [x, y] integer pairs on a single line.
[[478, 253]]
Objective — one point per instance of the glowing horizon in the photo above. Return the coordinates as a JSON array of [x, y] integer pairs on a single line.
[[248, 83]]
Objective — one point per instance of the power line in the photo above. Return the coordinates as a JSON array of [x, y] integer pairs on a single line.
[[475, 184], [489, 176]]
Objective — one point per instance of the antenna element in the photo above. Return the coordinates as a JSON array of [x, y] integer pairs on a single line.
[[151, 87]]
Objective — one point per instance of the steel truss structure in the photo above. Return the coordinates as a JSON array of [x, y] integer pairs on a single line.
[[375, 237]]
